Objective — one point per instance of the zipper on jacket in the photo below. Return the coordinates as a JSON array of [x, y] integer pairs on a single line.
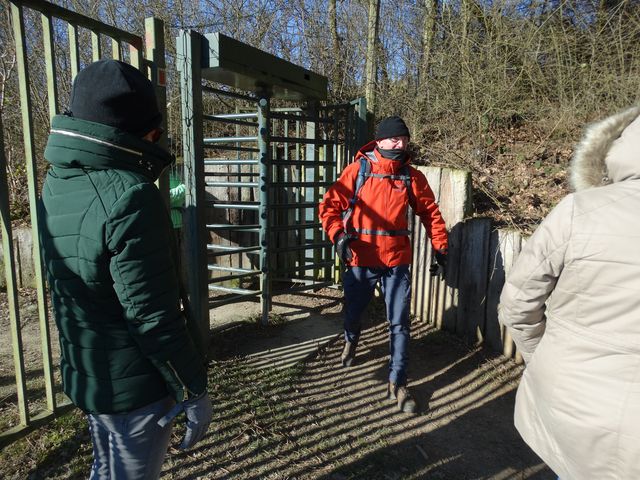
[[95, 140], [187, 393]]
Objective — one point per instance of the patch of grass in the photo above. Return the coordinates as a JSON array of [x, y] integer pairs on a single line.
[[60, 449]]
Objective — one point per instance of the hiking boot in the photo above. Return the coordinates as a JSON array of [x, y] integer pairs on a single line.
[[401, 394], [348, 354]]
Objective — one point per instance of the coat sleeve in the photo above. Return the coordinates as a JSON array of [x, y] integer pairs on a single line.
[[336, 201], [533, 278], [427, 209], [146, 283]]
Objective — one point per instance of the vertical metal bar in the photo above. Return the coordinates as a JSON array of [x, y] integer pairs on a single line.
[[287, 215], [32, 179], [348, 138], [275, 197], [263, 145], [237, 236], [189, 47], [154, 39], [135, 52], [52, 95], [50, 64], [321, 171], [361, 129], [115, 49], [95, 46], [299, 214], [74, 53], [330, 176], [12, 288], [311, 175]]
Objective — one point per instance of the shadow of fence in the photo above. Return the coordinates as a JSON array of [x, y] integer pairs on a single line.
[[319, 420]]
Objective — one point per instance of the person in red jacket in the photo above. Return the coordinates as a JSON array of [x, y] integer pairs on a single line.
[[368, 221]]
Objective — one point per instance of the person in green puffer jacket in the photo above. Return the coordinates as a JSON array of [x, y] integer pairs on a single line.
[[127, 357]]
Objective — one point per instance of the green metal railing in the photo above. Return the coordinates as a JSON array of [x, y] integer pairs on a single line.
[[154, 66], [260, 185]]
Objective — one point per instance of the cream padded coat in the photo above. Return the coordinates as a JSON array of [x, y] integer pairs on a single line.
[[572, 304]]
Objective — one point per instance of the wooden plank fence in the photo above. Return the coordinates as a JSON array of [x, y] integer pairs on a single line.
[[465, 301]]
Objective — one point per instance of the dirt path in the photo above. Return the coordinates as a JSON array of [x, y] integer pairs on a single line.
[[335, 424], [316, 420]]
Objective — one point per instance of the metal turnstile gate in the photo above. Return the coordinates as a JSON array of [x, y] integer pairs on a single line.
[[255, 175]]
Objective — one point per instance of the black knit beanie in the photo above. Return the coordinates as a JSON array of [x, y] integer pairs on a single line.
[[117, 94], [392, 127]]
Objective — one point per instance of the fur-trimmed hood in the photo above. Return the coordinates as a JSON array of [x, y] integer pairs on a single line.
[[609, 151]]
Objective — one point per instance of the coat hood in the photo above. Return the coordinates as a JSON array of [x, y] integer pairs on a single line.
[[608, 152], [76, 143]]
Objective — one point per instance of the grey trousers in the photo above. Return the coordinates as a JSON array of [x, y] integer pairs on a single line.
[[130, 446]]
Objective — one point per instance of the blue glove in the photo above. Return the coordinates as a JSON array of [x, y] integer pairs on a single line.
[[198, 413]]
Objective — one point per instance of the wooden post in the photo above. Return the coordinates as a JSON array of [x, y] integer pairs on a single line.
[[455, 206], [504, 248], [473, 276], [422, 280]]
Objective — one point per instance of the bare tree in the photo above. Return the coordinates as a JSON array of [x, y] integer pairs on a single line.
[[371, 68]]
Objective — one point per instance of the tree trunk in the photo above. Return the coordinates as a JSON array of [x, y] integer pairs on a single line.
[[428, 36], [338, 71], [371, 59]]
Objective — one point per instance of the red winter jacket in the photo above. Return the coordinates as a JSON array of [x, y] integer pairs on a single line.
[[381, 207]]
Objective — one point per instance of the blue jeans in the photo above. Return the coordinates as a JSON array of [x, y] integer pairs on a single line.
[[359, 285], [130, 445]]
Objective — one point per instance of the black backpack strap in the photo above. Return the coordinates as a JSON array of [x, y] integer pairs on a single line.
[[405, 172], [363, 173]]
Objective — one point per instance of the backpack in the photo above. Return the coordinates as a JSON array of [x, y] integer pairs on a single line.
[[363, 174]]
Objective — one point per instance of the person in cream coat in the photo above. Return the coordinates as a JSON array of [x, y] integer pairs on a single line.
[[572, 305]]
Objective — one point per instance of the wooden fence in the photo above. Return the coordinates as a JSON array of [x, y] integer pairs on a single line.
[[465, 301]]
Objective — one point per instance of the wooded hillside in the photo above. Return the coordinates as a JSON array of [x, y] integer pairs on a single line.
[[502, 88]]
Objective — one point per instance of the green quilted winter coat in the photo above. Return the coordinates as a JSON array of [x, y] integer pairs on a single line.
[[110, 259]]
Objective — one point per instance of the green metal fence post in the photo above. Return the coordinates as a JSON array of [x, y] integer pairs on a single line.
[[12, 287], [74, 52], [32, 179], [361, 127], [52, 94], [264, 193], [50, 60], [96, 46], [154, 43], [189, 51], [311, 175]]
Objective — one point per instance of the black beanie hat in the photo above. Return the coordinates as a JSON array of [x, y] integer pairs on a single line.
[[392, 127], [117, 94]]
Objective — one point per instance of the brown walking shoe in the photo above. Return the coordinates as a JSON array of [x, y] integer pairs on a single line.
[[401, 394], [348, 354]]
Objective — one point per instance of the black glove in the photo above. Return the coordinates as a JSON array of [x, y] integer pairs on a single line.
[[440, 264], [342, 246]]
